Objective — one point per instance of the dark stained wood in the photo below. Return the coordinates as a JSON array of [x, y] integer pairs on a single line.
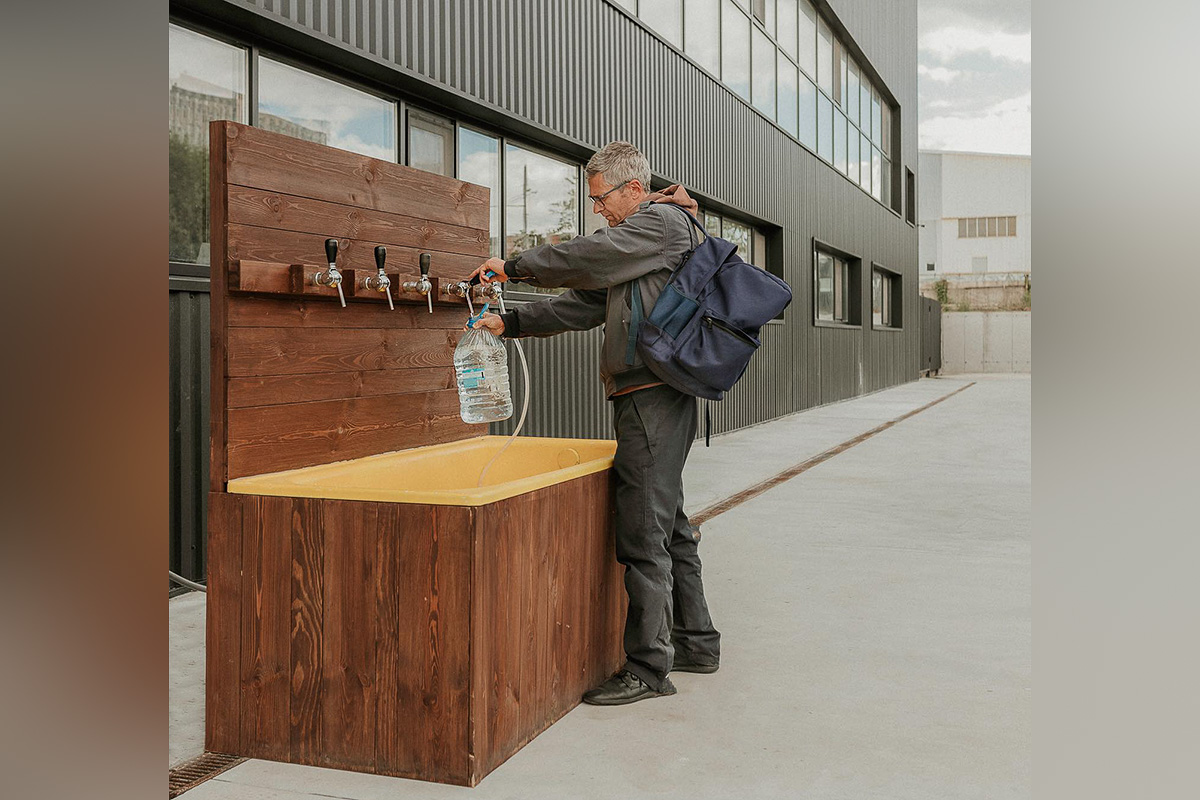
[[294, 351], [218, 293], [276, 163], [308, 636], [266, 626], [222, 724], [260, 312], [272, 438], [280, 389], [249, 244], [348, 665], [306, 215]]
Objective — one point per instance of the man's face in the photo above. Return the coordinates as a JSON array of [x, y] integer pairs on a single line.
[[618, 204]]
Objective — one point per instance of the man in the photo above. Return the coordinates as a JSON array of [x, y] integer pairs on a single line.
[[668, 625]]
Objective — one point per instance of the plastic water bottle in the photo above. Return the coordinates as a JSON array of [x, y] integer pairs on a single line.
[[481, 366]]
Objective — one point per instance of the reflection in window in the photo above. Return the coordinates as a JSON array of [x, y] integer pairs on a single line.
[[824, 57], [479, 162], [307, 106], [824, 128], [835, 289], [886, 191], [808, 39], [787, 27], [852, 92], [807, 102], [885, 298], [665, 17], [864, 162], [886, 145], [876, 121], [876, 175], [541, 198], [735, 49], [864, 105], [852, 155], [788, 111], [712, 224], [839, 141], [430, 143], [207, 81], [701, 35], [763, 52], [739, 234]]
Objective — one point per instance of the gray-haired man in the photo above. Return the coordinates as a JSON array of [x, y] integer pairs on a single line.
[[668, 625]]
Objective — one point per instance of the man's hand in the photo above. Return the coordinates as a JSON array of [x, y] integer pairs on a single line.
[[675, 193], [490, 270], [492, 322]]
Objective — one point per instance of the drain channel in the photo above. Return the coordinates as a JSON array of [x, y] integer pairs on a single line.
[[721, 506], [195, 771]]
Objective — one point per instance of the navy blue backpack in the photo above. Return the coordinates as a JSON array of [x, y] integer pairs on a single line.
[[703, 329]]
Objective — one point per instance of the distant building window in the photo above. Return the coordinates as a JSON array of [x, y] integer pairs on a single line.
[[300, 104], [836, 288], [207, 81], [430, 143], [979, 264], [929, 267], [885, 298], [979, 227]]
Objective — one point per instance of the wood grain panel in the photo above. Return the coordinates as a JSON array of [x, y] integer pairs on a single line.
[[262, 312], [401, 527], [306, 215], [282, 389], [266, 626], [223, 625], [248, 243], [277, 163], [308, 619], [348, 666], [294, 351], [273, 438], [218, 294]]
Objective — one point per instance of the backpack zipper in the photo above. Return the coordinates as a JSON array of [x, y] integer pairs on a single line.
[[725, 326]]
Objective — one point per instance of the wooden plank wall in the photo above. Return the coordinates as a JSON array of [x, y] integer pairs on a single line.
[[302, 381]]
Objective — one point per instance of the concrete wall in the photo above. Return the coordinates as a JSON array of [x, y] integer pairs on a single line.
[[986, 341]]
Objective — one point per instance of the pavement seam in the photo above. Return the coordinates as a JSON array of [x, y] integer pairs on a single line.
[[721, 506]]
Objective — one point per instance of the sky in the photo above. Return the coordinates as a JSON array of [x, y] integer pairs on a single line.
[[974, 75]]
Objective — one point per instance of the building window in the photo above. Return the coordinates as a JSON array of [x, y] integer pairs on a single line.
[[479, 162], [702, 33], [207, 81], [836, 287], [430, 143], [929, 267], [763, 79], [824, 128], [735, 49], [808, 113], [665, 17], [808, 38], [787, 27], [541, 202], [910, 196], [885, 298], [839, 141], [864, 162], [979, 227], [788, 84], [303, 105]]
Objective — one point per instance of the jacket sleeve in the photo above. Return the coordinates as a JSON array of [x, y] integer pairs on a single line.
[[576, 310], [608, 257]]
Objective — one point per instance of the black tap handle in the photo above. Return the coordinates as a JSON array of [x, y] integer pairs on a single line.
[[425, 264], [331, 248], [380, 256]]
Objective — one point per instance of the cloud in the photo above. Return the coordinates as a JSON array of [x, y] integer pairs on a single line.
[[1005, 127], [948, 43], [939, 74]]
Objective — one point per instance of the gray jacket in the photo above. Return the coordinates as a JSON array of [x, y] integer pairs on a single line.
[[600, 270]]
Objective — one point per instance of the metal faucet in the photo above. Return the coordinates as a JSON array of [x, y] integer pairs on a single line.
[[423, 286], [380, 282], [331, 277], [467, 290]]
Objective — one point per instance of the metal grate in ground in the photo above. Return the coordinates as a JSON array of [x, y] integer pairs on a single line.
[[195, 771]]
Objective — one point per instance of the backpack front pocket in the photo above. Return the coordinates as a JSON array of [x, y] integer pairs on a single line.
[[717, 353]]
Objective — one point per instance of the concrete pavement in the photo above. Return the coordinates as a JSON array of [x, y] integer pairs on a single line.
[[875, 618]]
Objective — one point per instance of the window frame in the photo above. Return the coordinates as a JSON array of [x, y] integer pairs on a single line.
[[894, 291], [854, 290]]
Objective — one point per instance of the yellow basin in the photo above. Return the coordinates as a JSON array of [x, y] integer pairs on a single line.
[[441, 474]]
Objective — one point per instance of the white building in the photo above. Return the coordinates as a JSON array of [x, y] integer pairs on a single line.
[[975, 215]]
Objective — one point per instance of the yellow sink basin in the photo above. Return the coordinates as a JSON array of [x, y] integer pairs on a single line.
[[441, 474]]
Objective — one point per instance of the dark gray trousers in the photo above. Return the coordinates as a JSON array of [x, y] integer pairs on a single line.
[[655, 542]]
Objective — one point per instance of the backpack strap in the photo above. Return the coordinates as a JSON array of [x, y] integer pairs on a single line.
[[635, 320]]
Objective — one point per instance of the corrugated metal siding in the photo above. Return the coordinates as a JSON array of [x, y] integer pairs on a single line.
[[188, 394], [548, 69]]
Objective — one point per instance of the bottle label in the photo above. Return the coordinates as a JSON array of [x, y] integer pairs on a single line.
[[471, 377]]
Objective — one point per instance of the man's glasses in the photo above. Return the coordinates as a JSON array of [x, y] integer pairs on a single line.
[[600, 200]]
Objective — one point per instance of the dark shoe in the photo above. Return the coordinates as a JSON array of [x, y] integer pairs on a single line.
[[683, 663], [625, 687]]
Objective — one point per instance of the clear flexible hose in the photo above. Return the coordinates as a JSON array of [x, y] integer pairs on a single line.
[[524, 404]]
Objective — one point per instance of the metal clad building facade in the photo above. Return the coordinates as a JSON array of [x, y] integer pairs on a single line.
[[568, 76]]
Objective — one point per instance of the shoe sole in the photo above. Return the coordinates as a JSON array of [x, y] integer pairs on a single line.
[[702, 669], [647, 696]]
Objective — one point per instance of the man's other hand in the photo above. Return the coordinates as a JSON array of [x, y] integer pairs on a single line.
[[675, 193], [490, 270], [492, 322]]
